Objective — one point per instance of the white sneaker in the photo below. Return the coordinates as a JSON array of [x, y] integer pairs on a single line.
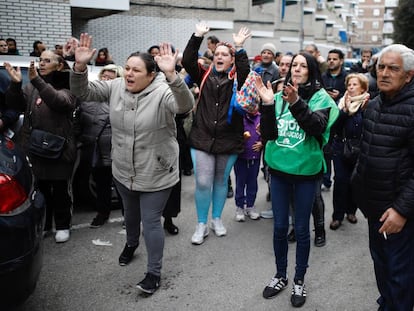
[[325, 188], [267, 214], [62, 236], [252, 213], [200, 233], [217, 226], [239, 214]]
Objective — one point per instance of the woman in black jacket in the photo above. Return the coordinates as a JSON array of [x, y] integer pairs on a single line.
[[216, 136], [48, 105], [347, 130], [94, 130]]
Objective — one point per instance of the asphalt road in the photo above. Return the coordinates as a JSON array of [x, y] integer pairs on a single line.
[[227, 273]]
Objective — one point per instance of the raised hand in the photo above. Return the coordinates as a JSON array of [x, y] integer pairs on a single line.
[[265, 91], [290, 92], [243, 34], [84, 52], [32, 73], [70, 46], [14, 73], [167, 60], [201, 29]]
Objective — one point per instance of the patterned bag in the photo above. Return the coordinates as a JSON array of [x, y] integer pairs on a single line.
[[248, 98], [245, 100]]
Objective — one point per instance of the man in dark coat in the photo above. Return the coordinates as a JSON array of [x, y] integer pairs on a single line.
[[383, 180]]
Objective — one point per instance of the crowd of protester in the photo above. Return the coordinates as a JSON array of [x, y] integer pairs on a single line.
[[309, 123]]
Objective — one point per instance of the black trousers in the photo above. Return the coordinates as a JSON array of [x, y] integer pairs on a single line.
[[58, 203]]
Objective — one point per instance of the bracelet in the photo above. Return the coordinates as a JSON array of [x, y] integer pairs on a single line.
[[238, 46]]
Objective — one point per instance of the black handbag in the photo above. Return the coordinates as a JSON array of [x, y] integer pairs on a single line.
[[46, 145], [351, 150]]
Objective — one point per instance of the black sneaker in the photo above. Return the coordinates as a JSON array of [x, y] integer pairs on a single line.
[[320, 238], [275, 286], [230, 192], [127, 255], [149, 284], [98, 221], [298, 297], [170, 227]]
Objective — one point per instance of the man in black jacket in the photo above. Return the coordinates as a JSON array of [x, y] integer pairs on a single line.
[[383, 180]]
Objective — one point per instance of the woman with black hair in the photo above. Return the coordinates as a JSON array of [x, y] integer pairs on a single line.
[[142, 107], [296, 124], [103, 58]]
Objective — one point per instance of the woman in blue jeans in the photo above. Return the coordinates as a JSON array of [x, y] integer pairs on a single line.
[[296, 124]]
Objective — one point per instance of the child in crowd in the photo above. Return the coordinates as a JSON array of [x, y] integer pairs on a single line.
[[247, 168]]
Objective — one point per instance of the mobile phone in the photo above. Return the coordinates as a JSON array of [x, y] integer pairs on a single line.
[[329, 88], [287, 82]]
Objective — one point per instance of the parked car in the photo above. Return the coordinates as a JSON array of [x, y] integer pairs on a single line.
[[349, 62], [22, 216]]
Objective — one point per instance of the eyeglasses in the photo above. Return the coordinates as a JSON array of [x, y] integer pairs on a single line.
[[46, 60]]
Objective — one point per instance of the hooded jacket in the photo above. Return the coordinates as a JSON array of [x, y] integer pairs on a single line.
[[210, 130], [144, 143]]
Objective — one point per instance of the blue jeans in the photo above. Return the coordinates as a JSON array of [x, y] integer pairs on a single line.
[[393, 265], [303, 191], [246, 172]]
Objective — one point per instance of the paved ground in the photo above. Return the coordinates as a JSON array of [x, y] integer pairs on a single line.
[[227, 273]]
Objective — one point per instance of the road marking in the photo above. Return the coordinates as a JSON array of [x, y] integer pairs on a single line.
[[110, 220]]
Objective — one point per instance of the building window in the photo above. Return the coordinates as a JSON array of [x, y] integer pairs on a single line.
[[376, 12], [375, 25]]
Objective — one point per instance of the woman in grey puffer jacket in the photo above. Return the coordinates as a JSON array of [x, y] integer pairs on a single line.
[[94, 133], [144, 145]]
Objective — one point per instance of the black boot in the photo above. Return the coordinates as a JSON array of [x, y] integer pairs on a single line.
[[291, 236], [169, 226], [127, 255], [230, 192], [320, 238]]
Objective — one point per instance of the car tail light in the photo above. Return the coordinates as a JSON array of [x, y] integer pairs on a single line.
[[12, 194]]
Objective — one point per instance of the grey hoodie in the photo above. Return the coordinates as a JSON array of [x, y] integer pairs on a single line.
[[144, 145]]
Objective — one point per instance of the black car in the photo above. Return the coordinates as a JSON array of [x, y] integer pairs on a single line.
[[22, 216]]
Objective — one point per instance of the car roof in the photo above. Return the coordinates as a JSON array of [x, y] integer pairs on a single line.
[[24, 61]]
